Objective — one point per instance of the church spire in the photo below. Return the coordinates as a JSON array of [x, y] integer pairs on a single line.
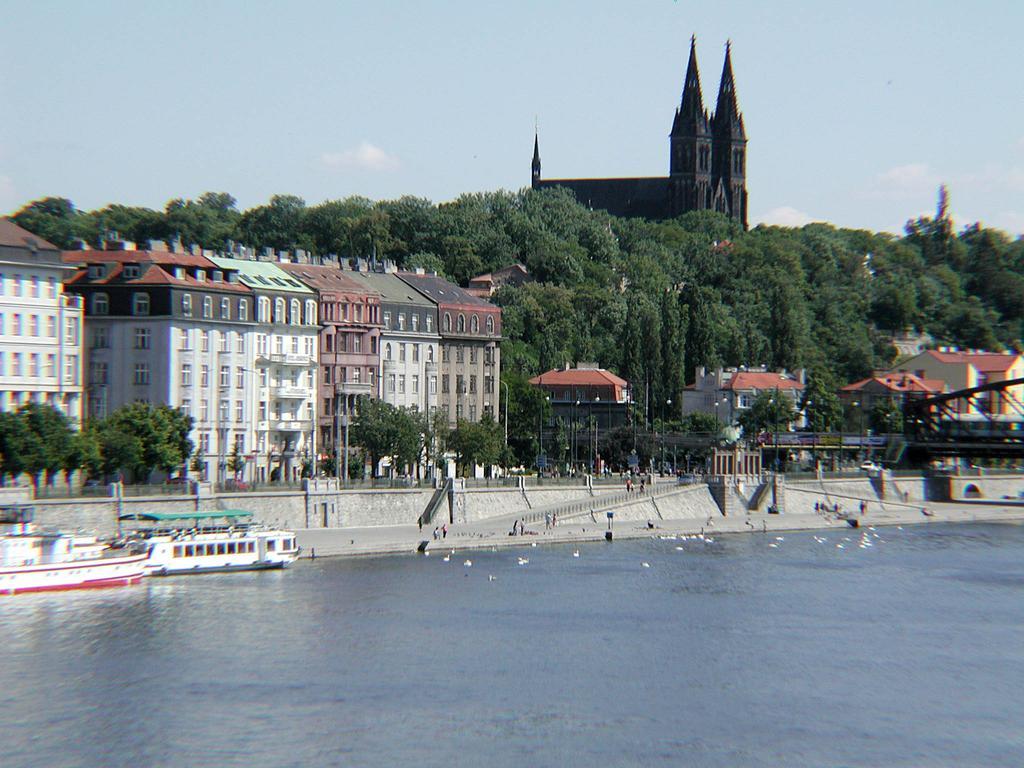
[[727, 118], [535, 167], [691, 117]]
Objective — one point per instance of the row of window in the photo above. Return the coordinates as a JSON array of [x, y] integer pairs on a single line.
[[414, 320], [281, 412], [220, 548], [415, 352], [474, 323], [340, 374], [460, 411], [34, 327], [16, 286], [290, 313], [414, 381], [242, 312], [349, 342], [460, 354], [34, 366], [356, 313], [460, 384]]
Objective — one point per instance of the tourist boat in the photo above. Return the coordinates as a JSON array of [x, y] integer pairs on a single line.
[[32, 560], [207, 542]]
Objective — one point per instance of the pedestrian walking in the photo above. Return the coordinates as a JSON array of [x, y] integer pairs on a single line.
[[444, 531], [547, 520], [554, 519], [435, 533], [420, 521]]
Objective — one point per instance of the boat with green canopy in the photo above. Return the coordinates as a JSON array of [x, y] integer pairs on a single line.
[[207, 541]]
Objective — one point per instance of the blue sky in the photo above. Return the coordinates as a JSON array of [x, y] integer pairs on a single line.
[[855, 112]]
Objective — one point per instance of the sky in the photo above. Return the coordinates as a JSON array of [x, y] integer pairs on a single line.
[[855, 112]]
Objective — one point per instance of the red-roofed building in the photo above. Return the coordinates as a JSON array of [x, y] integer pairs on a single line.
[[960, 369], [727, 392], [485, 285], [586, 391]]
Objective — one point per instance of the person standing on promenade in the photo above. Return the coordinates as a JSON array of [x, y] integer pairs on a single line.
[[547, 520], [554, 519], [444, 531]]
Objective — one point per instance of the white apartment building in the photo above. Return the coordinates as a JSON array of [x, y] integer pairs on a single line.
[[285, 367], [176, 329], [40, 326]]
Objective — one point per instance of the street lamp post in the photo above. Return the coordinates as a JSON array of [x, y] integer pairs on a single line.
[[505, 385]]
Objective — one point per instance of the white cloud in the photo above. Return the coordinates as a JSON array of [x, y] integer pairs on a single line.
[[366, 157], [784, 216], [906, 182], [8, 195]]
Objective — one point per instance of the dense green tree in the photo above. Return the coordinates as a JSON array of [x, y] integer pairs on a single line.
[[820, 403], [771, 410]]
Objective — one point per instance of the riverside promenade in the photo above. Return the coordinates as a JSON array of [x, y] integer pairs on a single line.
[[406, 539]]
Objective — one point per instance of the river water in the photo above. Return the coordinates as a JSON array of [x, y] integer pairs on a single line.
[[908, 652]]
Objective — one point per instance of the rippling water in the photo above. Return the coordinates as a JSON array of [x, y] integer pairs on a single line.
[[906, 653]]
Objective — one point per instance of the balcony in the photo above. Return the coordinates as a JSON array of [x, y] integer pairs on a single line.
[[289, 425], [289, 392], [287, 359], [353, 388]]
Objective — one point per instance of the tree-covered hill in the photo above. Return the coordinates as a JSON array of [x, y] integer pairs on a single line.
[[648, 300]]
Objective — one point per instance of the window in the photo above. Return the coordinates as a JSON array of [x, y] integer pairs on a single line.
[[204, 415], [239, 412], [140, 303], [472, 384], [71, 331], [356, 372], [415, 353], [296, 316], [33, 364], [445, 354], [278, 310], [100, 304], [141, 377], [143, 338], [240, 378], [429, 323], [475, 324], [401, 321], [387, 320], [357, 344], [295, 345], [461, 324], [186, 340], [16, 364], [447, 322], [263, 310], [35, 287], [445, 384], [186, 407], [33, 325], [401, 353], [243, 310], [225, 411], [225, 308], [310, 313], [460, 384], [186, 375], [460, 354], [387, 351], [224, 341], [401, 385], [415, 385], [430, 353], [391, 383], [225, 376], [472, 355], [207, 307], [51, 288], [100, 338], [186, 305], [17, 325], [263, 410], [51, 366], [51, 327], [17, 285], [433, 385], [204, 376], [490, 325], [240, 343]]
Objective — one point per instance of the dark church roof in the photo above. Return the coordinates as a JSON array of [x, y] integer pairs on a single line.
[[644, 197], [707, 166]]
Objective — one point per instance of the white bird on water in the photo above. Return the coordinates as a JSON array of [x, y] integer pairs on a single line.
[[773, 545], [839, 546], [447, 558], [680, 549], [575, 553], [491, 577], [646, 565], [524, 561], [468, 563]]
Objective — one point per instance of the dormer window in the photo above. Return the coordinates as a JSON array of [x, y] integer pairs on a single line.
[[218, 276], [131, 271], [475, 324], [200, 275], [140, 303], [490, 325], [95, 271], [179, 273], [100, 304], [461, 324]]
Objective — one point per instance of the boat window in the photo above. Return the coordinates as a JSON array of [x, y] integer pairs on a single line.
[[220, 549], [190, 550], [252, 546], [271, 543], [178, 549], [231, 547]]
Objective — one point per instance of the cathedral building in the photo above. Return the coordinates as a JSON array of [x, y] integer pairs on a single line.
[[707, 161]]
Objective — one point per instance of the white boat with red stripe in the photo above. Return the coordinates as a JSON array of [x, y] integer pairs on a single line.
[[32, 560]]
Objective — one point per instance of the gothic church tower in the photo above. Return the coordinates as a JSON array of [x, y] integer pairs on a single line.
[[729, 148], [690, 146]]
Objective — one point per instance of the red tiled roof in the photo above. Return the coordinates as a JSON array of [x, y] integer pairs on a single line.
[[899, 382], [751, 380], [138, 257], [153, 274], [14, 236], [581, 377], [983, 361], [327, 279]]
